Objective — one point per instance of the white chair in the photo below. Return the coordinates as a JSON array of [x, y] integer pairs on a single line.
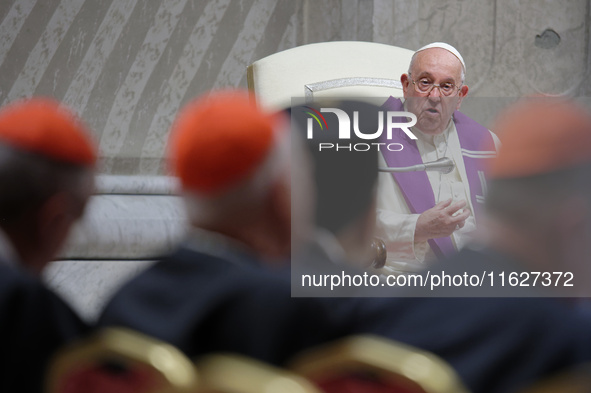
[[371, 364], [330, 69]]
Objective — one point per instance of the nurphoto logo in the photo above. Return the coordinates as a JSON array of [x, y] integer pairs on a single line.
[[394, 120]]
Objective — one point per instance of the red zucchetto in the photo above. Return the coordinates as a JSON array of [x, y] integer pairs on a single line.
[[541, 135], [43, 127], [219, 140]]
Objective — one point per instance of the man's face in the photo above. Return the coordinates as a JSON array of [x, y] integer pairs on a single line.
[[433, 109]]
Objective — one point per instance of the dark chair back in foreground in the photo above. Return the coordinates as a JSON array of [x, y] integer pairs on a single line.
[[369, 364], [229, 373]]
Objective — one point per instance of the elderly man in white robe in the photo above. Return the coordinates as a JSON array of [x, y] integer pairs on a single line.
[[423, 216]]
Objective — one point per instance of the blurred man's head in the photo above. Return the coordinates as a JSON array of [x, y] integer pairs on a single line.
[[47, 163], [233, 161], [345, 174], [540, 190], [434, 86]]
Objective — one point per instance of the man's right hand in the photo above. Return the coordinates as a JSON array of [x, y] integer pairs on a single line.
[[439, 221]]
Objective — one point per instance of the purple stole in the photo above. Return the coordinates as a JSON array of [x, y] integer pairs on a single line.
[[415, 186]]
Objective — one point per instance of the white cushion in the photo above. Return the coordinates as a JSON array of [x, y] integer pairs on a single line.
[[324, 70]]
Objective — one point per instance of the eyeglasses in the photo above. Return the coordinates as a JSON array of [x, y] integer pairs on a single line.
[[424, 86]]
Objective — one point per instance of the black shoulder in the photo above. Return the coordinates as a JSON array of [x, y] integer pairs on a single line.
[[35, 323]]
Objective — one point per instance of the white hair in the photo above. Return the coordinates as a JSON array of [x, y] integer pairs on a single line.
[[248, 193]]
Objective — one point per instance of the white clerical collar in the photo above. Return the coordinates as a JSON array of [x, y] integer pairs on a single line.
[[8, 255], [432, 139]]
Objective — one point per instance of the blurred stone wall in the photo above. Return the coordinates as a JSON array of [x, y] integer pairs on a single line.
[[127, 66]]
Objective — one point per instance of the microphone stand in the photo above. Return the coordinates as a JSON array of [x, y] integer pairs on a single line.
[[443, 165]]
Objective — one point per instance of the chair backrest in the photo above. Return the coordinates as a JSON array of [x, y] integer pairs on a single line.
[[340, 69], [369, 364], [231, 373], [120, 361]]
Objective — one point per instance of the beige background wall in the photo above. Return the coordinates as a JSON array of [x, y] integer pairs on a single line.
[[127, 66]]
